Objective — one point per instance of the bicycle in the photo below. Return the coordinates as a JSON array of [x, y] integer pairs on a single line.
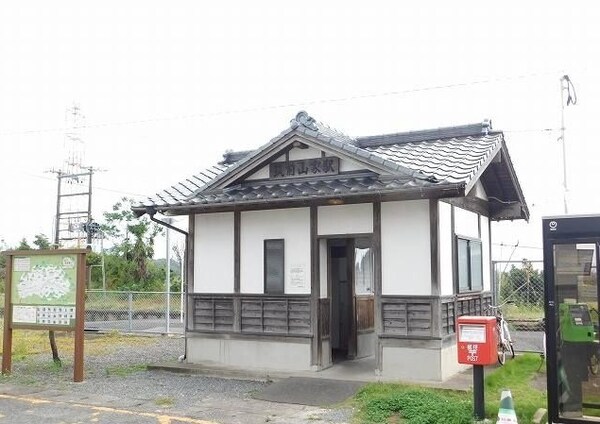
[[505, 343]]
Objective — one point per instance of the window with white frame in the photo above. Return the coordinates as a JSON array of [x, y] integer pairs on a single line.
[[469, 265]]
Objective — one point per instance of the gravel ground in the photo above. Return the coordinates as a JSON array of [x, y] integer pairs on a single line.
[[117, 376]]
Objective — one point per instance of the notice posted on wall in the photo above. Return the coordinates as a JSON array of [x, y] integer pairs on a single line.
[[297, 276]]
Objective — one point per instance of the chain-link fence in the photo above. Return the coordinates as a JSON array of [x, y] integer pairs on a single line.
[[518, 287], [134, 311], [140, 312]]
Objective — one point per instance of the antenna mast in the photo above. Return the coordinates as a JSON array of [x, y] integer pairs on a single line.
[[73, 223]]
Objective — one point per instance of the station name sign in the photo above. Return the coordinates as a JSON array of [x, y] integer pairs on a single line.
[[304, 168]]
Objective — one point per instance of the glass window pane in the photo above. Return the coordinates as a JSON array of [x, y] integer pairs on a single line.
[[274, 267], [576, 285], [363, 270], [463, 265], [476, 265]]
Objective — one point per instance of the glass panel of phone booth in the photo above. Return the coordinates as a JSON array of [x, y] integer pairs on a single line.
[[576, 296]]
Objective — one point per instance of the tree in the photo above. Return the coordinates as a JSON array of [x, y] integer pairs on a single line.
[[41, 242], [23, 245], [128, 263]]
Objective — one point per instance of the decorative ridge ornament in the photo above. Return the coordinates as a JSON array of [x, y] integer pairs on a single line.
[[304, 119]]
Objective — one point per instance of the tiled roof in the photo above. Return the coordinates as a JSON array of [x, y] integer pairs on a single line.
[[302, 189], [452, 160], [424, 135], [181, 192], [443, 157], [293, 190]]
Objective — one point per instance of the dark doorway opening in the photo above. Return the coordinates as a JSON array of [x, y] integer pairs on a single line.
[[343, 332]]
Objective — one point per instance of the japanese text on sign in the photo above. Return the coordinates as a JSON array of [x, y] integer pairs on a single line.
[[472, 352], [304, 167]]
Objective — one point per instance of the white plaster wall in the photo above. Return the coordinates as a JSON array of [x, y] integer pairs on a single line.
[[323, 268], [445, 248], [292, 225], [485, 247], [405, 248], [213, 253], [345, 219], [310, 153], [253, 354], [350, 165], [466, 223], [261, 174]]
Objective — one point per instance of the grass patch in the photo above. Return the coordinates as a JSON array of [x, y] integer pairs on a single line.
[[164, 401], [124, 371], [31, 342], [380, 402], [516, 376], [411, 404]]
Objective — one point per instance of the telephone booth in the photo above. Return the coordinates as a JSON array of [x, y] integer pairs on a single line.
[[571, 308]]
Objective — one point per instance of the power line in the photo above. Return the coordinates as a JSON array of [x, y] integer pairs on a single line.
[[518, 246], [290, 105], [95, 187]]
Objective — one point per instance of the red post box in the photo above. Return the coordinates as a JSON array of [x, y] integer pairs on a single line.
[[477, 340]]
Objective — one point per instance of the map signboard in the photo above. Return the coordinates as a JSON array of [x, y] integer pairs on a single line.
[[44, 289]]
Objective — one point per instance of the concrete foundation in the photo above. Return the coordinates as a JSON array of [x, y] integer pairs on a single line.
[[365, 344], [256, 354], [420, 364]]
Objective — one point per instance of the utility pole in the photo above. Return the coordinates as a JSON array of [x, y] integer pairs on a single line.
[[73, 220], [73, 226], [168, 280], [565, 86]]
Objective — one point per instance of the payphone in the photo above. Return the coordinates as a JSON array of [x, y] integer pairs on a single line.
[[571, 246]]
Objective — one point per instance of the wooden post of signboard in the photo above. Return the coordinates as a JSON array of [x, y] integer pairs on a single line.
[[79, 320], [9, 325], [7, 339]]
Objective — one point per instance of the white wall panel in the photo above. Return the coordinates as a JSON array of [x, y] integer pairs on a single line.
[[310, 153], [261, 174], [466, 223], [405, 247], [292, 225], [445, 248], [350, 165], [213, 253], [485, 247], [345, 219]]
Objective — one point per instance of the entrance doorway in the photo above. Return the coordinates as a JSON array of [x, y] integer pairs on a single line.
[[350, 281]]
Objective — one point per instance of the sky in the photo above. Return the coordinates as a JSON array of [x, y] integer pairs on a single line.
[[167, 87]]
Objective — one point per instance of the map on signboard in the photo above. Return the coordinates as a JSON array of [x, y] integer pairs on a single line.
[[44, 280]]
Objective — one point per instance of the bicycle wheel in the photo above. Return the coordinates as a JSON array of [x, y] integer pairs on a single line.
[[501, 353]]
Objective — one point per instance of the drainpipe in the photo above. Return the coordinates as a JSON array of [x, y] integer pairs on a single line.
[[151, 212]]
